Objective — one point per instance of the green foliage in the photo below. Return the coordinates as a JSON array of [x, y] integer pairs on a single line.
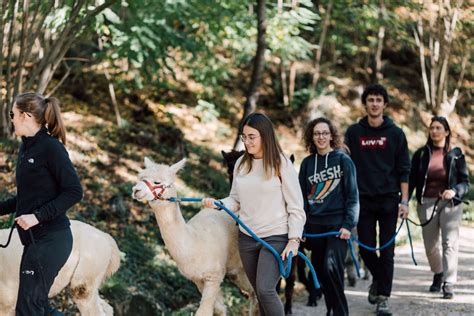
[[206, 111], [284, 33]]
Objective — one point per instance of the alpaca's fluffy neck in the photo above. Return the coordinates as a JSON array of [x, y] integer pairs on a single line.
[[173, 228]]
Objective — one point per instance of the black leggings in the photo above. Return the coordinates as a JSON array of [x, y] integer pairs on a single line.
[[40, 263]]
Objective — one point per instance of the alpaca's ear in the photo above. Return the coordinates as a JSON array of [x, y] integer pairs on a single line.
[[148, 163], [178, 166], [224, 154]]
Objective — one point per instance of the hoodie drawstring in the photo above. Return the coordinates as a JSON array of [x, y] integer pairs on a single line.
[[316, 164]]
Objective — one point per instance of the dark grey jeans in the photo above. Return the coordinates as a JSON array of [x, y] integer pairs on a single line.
[[262, 270]]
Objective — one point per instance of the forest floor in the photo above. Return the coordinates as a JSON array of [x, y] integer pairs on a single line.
[[410, 294]]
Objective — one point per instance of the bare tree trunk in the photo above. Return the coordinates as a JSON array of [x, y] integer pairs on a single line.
[[111, 89], [449, 28], [418, 33], [319, 49], [284, 85], [442, 19], [3, 112], [22, 23], [250, 104], [8, 82], [380, 39], [455, 96], [291, 87]]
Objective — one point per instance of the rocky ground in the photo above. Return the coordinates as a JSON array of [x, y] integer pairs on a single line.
[[410, 295]]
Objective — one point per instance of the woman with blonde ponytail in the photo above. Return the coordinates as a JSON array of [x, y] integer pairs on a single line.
[[47, 186]]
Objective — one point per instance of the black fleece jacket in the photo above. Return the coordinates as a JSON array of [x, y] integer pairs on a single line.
[[455, 164], [47, 185], [380, 155]]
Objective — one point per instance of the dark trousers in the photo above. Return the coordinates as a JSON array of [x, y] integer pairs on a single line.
[[384, 210], [40, 263], [327, 257], [263, 271]]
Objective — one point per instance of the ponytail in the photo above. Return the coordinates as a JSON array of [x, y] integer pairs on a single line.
[[52, 117], [46, 112]]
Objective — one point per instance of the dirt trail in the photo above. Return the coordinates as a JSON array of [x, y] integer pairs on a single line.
[[410, 294]]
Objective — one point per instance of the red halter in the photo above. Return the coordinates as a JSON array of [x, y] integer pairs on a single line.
[[156, 189]]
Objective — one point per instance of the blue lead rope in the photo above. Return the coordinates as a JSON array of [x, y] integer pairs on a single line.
[[286, 272], [351, 247], [283, 272]]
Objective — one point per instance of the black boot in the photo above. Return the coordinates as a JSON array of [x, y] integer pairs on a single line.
[[437, 281], [448, 292]]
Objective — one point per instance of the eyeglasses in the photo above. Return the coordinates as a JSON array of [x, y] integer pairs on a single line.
[[321, 134], [249, 138], [12, 115]]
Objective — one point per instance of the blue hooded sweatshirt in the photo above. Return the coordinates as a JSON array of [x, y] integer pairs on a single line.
[[329, 187]]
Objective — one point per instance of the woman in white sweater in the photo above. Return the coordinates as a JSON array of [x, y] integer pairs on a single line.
[[266, 194]]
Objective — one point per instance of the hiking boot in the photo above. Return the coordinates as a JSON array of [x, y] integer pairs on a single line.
[[448, 292], [437, 282], [373, 297], [314, 296], [382, 306]]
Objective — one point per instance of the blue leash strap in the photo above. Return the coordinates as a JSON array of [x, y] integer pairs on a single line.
[[283, 272], [388, 243], [354, 259], [349, 244]]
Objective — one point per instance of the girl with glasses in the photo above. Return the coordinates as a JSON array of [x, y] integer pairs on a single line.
[[331, 202], [266, 194]]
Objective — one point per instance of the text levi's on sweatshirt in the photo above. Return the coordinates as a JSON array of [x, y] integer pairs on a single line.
[[329, 188], [380, 155]]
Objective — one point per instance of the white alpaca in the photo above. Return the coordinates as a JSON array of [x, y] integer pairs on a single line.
[[205, 248], [94, 257]]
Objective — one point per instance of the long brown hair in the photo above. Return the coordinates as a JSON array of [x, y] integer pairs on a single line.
[[443, 121], [46, 112], [309, 139], [271, 148]]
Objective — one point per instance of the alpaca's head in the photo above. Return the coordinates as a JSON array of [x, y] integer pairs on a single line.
[[156, 181]]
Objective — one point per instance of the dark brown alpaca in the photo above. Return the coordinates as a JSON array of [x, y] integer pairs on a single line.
[[230, 159]]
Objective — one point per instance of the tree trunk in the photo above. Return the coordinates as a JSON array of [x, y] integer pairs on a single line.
[[22, 29], [291, 87], [319, 49], [380, 39], [284, 85], [252, 95], [418, 33], [441, 27]]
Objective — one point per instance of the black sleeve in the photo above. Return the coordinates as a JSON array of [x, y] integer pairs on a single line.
[[304, 184], [8, 206], [462, 177], [403, 159], [66, 177], [347, 140], [351, 194], [413, 180]]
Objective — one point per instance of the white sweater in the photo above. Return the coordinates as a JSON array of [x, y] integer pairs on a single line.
[[271, 206]]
